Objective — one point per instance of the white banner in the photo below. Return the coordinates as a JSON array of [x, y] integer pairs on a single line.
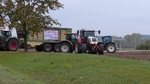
[[50, 35]]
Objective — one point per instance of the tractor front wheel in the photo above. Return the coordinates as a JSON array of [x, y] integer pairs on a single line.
[[111, 48], [84, 47], [12, 45]]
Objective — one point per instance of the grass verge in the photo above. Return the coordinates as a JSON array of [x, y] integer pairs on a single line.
[[66, 68]]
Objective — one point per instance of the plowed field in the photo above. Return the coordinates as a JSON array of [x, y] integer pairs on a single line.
[[136, 55]]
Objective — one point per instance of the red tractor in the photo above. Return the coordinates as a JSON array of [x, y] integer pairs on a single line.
[[87, 42]]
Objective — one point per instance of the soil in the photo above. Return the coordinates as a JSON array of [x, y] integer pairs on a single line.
[[136, 55]]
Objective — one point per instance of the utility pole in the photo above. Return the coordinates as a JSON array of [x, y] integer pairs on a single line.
[[135, 42]]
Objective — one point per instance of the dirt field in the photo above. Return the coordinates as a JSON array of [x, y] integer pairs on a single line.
[[134, 54]]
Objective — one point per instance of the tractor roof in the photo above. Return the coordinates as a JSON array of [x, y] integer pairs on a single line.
[[70, 33], [4, 28]]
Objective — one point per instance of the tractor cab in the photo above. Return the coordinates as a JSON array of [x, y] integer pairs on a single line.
[[107, 39], [71, 36], [7, 40], [4, 34], [87, 34]]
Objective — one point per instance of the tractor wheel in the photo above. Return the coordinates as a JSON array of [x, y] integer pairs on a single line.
[[56, 48], [92, 52], [111, 48], [84, 47], [47, 47], [38, 48], [12, 45], [77, 49], [65, 47], [101, 51]]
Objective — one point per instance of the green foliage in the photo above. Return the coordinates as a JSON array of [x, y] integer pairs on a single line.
[[31, 13], [30, 16], [145, 46], [131, 40], [66, 68]]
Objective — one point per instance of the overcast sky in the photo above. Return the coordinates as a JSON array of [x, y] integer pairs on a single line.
[[112, 17]]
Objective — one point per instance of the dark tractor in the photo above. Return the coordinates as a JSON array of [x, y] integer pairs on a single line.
[[7, 42], [88, 42], [109, 44]]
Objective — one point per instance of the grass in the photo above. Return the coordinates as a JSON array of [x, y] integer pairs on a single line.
[[64, 68]]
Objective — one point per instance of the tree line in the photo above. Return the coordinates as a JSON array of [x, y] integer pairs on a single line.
[[134, 41]]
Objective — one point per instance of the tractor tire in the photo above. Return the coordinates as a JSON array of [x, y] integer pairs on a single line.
[[101, 51], [47, 47], [12, 45], [56, 48], [111, 48], [65, 47], [92, 52], [38, 48], [77, 49], [84, 48]]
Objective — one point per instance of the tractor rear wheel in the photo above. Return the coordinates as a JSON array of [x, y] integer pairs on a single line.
[[101, 51], [12, 45], [77, 49], [65, 47], [111, 48], [47, 47], [56, 48], [84, 48]]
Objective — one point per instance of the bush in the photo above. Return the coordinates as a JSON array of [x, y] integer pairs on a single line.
[[145, 46]]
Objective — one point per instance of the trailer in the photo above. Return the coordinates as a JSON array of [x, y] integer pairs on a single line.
[[55, 39]]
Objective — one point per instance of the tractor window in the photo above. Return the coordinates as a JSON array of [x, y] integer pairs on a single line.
[[73, 37], [107, 39], [88, 33], [6, 33]]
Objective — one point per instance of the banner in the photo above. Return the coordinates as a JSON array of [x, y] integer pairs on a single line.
[[50, 35]]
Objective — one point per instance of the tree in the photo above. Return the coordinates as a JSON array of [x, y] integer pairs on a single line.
[[31, 16], [132, 40]]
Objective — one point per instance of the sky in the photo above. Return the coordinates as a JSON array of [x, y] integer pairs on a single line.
[[112, 17]]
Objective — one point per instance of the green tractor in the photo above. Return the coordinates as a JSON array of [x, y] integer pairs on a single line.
[[8, 41], [87, 42]]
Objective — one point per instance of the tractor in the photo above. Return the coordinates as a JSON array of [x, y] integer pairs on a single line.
[[109, 44], [68, 44], [8, 42], [87, 42]]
